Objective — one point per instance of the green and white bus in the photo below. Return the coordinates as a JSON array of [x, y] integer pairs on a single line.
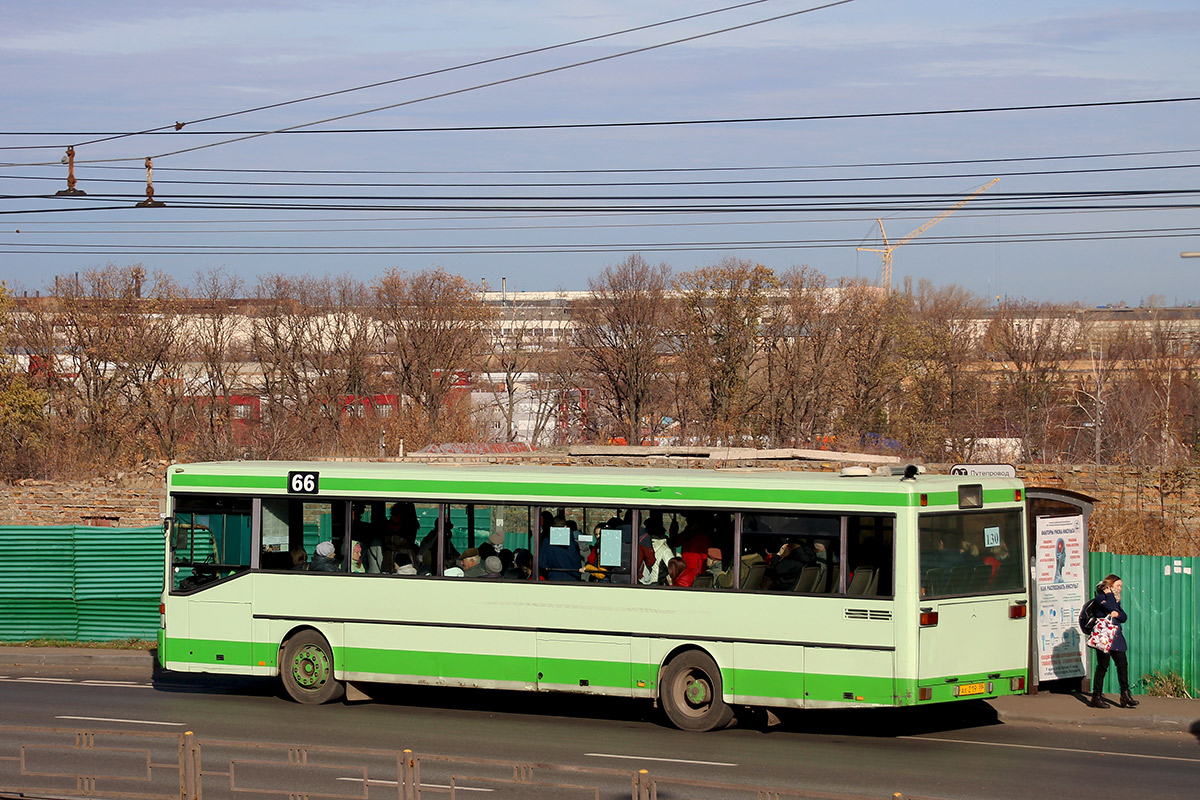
[[702, 590]]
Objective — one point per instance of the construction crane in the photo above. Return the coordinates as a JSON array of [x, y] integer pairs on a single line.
[[887, 249]]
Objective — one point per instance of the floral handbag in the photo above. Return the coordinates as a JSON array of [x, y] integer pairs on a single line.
[[1102, 635]]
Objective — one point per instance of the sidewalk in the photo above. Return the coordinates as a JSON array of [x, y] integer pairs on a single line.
[[1152, 713]]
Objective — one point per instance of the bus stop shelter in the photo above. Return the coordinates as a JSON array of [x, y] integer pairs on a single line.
[[1057, 539]]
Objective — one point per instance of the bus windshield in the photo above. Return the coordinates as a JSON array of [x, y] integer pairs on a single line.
[[964, 553]]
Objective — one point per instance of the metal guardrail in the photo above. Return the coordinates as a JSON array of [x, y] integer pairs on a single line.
[[70, 764]]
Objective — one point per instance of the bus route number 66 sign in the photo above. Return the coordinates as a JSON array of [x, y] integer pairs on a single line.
[[303, 482]]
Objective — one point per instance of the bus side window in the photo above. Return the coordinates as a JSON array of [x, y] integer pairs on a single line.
[[291, 532], [870, 547], [488, 538], [790, 553]]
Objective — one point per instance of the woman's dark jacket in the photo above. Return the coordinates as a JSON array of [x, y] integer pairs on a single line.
[[1108, 602]]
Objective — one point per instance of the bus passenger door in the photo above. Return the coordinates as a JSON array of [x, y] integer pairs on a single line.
[[210, 561], [219, 628], [586, 663]]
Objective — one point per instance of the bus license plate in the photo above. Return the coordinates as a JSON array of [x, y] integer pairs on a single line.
[[968, 689]]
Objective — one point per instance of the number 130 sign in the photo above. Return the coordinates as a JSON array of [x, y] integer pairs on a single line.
[[303, 482]]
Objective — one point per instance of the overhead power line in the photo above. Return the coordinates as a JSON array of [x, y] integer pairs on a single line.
[[304, 129], [917, 197], [639, 170], [466, 89], [607, 247], [623, 124], [177, 126], [586, 184]]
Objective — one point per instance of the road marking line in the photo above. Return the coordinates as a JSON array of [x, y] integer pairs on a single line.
[[672, 760], [1056, 749], [71, 682], [370, 782], [118, 684], [131, 721]]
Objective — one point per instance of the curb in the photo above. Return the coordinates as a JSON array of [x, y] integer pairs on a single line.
[[76, 657], [1118, 718]]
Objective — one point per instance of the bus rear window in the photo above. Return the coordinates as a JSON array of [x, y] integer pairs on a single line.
[[971, 553]]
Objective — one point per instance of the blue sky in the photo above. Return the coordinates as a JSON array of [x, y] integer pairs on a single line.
[[483, 206]]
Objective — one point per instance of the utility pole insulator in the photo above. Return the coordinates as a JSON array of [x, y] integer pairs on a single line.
[[150, 202], [70, 191]]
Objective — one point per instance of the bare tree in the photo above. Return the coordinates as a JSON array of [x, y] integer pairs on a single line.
[[1161, 380], [1033, 345], [945, 397], [802, 374], [83, 340], [434, 331], [523, 347], [560, 400], [221, 341], [157, 392], [870, 324], [621, 341], [312, 341], [717, 337]]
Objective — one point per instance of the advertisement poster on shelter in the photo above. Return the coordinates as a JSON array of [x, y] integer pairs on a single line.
[[1061, 593]]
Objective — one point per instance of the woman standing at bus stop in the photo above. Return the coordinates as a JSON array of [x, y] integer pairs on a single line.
[[1108, 598]]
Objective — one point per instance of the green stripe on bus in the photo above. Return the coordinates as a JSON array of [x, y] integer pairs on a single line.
[[810, 686], [275, 482], [206, 651], [618, 675], [520, 492], [437, 664]]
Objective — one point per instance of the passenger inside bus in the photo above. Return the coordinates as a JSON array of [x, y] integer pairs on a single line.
[[522, 566], [784, 572], [654, 549], [675, 568], [404, 563], [559, 558], [323, 560]]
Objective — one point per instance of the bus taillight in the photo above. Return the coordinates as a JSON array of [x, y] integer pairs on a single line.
[[929, 618], [1017, 684], [1017, 495], [1017, 611]]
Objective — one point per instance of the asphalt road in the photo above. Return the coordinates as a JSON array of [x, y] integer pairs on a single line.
[[950, 752]]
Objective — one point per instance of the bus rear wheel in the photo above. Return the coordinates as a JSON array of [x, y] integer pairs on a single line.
[[307, 669], [691, 693]]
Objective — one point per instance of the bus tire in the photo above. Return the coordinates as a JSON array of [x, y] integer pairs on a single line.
[[307, 669], [690, 690]]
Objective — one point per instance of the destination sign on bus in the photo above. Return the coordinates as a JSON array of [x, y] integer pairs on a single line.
[[985, 470]]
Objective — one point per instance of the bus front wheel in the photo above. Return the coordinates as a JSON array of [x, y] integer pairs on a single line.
[[307, 669], [691, 693]]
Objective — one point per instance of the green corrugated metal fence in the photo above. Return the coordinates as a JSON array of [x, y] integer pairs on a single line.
[[80, 583], [102, 584], [1161, 597]]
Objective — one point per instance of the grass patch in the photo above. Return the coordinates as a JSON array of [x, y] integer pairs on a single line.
[[1166, 684], [116, 644]]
